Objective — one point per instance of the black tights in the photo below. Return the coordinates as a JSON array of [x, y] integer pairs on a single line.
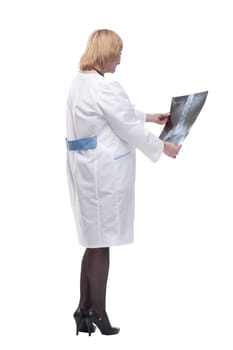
[[93, 281]]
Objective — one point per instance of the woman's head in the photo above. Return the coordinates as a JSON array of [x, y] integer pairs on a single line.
[[103, 51]]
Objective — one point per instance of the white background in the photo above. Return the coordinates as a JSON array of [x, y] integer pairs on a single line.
[[171, 289]]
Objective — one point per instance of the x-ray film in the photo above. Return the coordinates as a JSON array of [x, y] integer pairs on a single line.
[[184, 111]]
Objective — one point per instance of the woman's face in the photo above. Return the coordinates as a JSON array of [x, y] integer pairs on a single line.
[[111, 66]]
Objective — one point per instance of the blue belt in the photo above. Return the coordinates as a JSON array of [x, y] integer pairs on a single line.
[[81, 144]]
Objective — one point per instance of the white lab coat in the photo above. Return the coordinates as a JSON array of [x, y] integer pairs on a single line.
[[101, 180]]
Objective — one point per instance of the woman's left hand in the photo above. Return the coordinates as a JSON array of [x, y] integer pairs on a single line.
[[159, 118]]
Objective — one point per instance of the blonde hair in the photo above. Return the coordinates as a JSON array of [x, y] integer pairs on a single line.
[[103, 46]]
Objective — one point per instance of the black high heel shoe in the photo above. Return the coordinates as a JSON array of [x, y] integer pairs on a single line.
[[81, 324], [102, 322]]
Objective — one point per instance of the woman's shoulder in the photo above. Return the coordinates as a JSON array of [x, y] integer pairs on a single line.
[[94, 78], [106, 84], [97, 84]]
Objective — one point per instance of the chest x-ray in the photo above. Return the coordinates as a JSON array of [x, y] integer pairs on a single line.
[[184, 111]]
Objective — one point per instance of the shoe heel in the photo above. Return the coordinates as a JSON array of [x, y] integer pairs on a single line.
[[88, 323], [78, 324]]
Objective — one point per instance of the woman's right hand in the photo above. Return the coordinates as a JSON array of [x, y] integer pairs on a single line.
[[171, 149]]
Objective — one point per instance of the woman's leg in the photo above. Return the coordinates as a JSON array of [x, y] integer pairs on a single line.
[[96, 269], [94, 277], [85, 298]]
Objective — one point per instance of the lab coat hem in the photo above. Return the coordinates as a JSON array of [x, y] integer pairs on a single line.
[[103, 245]]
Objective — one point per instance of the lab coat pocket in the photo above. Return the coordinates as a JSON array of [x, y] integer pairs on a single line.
[[125, 171], [123, 150], [117, 157]]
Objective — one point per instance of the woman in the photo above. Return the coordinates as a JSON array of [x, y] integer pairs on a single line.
[[103, 131]]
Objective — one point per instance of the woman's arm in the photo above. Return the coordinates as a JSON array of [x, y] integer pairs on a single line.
[[126, 123], [159, 118], [120, 114]]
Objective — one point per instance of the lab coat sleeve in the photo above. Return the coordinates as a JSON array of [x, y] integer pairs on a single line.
[[141, 116], [127, 123]]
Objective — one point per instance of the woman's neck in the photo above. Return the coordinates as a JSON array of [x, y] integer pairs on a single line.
[[98, 71]]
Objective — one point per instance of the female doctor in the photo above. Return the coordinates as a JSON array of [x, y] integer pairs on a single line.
[[103, 131]]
